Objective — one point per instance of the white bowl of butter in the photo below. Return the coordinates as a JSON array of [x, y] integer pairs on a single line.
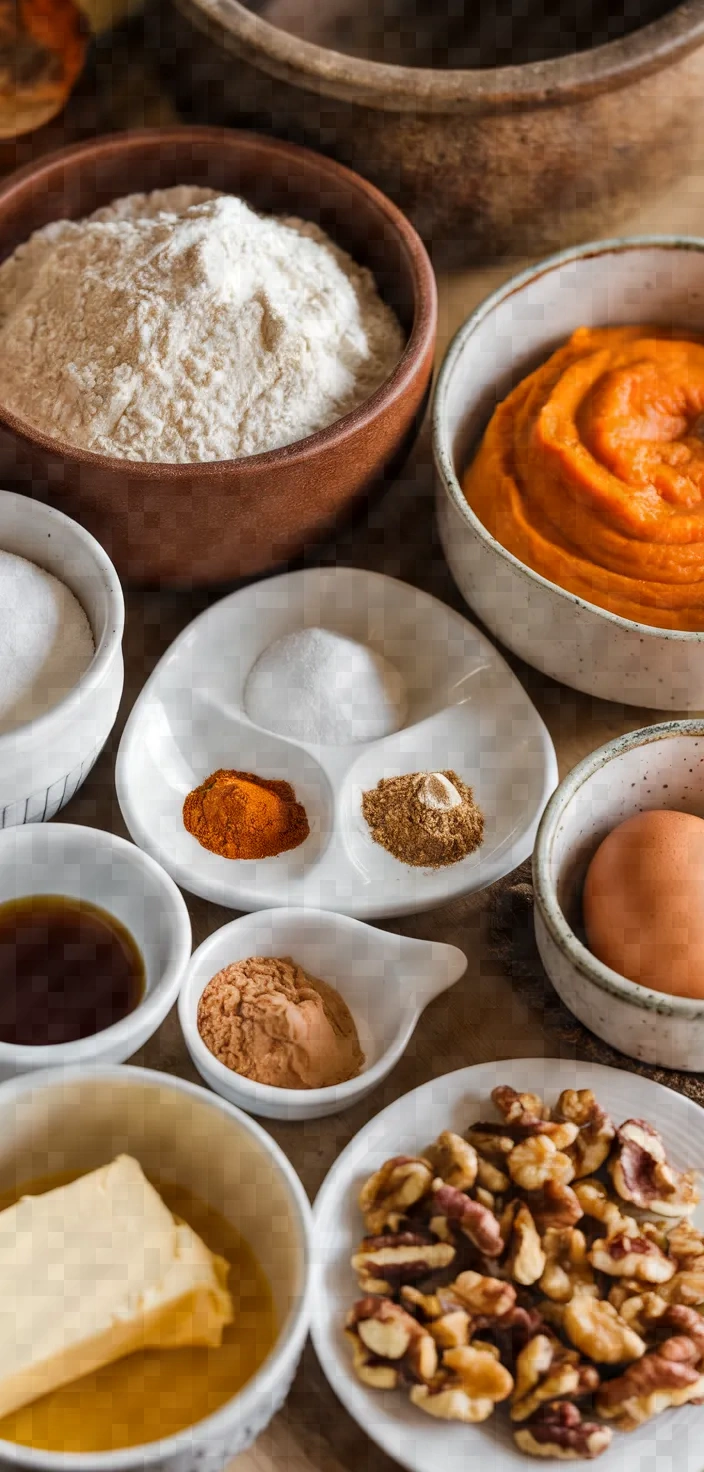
[[226, 1219]]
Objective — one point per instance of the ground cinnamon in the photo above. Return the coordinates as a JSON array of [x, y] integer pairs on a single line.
[[241, 816]]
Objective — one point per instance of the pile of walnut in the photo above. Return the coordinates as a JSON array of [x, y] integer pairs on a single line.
[[480, 1286]]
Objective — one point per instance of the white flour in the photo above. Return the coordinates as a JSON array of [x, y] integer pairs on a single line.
[[182, 326]]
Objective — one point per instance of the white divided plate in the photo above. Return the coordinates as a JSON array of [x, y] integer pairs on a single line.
[[466, 711], [673, 1442]]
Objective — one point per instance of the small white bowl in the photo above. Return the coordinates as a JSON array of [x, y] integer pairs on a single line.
[[386, 980], [658, 767], [79, 1120], [86, 864], [658, 279], [44, 762]]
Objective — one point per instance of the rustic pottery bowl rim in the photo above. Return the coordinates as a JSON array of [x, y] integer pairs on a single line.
[[293, 1329], [335, 436], [386, 87], [442, 449], [585, 964]]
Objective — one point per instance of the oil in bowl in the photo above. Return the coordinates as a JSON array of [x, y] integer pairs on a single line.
[[155, 1393], [68, 970]]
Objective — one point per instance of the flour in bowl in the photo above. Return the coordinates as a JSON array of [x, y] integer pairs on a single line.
[[182, 326]]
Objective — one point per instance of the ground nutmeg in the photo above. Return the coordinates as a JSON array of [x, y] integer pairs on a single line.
[[241, 816], [425, 819]]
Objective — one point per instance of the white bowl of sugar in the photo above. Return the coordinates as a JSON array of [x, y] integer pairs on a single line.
[[61, 672]]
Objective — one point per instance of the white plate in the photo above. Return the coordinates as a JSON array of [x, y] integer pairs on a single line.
[[673, 1442], [467, 711]]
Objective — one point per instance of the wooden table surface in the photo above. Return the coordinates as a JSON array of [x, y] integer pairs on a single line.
[[480, 1018]]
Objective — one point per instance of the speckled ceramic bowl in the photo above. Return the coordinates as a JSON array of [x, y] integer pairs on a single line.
[[658, 279], [658, 767]]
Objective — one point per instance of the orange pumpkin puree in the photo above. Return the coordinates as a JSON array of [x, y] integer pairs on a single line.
[[592, 473]]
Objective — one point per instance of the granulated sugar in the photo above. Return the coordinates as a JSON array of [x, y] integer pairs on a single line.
[[318, 686], [46, 642], [182, 326]]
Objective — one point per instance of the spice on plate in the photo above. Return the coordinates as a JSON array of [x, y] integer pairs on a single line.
[[241, 816], [318, 686], [427, 819], [269, 1020], [46, 643]]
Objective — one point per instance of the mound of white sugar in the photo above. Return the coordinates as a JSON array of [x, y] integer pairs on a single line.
[[320, 687], [183, 326], [46, 642]]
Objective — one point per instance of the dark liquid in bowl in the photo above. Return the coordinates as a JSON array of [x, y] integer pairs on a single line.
[[68, 970], [431, 34]]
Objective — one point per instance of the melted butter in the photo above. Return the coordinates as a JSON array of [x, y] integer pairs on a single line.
[[156, 1393]]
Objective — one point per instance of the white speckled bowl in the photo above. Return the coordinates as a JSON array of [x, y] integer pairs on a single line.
[[657, 767], [656, 279], [44, 761]]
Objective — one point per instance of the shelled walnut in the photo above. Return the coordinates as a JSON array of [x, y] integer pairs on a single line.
[[558, 1430], [519, 1263], [668, 1376], [470, 1384]]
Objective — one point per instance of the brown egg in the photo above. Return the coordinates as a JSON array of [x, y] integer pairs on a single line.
[[644, 902]]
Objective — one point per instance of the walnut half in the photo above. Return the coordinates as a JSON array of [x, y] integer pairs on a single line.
[[596, 1329], [384, 1263], [628, 1253], [467, 1387], [547, 1370], [393, 1346], [558, 1430], [387, 1196], [642, 1174], [669, 1376]]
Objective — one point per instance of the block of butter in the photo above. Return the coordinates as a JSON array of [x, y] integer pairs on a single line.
[[92, 1271]]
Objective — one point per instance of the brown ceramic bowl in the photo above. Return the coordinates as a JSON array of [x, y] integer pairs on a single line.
[[526, 157], [184, 525]]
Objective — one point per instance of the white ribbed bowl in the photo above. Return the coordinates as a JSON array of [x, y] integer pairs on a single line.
[[80, 1119], [657, 279], [44, 762]]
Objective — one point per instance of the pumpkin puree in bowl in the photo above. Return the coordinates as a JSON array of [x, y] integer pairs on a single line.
[[591, 472]]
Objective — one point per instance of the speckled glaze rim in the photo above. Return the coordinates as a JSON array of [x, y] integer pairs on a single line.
[[545, 896], [421, 336], [105, 650], [388, 88], [292, 1331], [442, 448]]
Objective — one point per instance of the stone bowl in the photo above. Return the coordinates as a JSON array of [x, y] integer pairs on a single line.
[[654, 279], [657, 767], [519, 158], [174, 525]]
